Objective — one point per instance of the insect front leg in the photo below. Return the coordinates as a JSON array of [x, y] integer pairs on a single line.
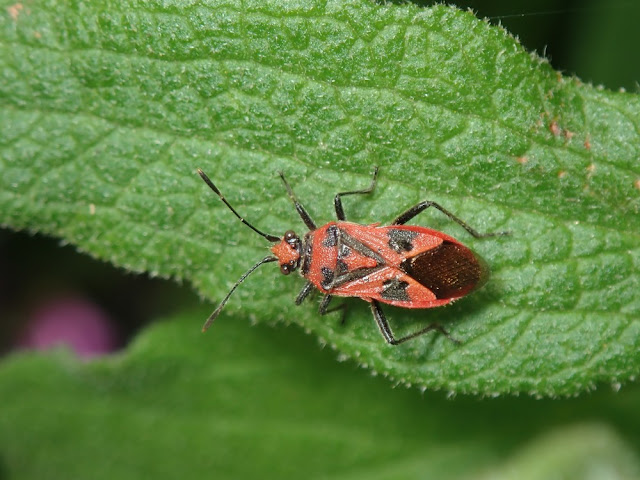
[[299, 208], [337, 201], [422, 206], [387, 333]]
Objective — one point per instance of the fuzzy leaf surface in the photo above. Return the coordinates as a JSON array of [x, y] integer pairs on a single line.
[[108, 108]]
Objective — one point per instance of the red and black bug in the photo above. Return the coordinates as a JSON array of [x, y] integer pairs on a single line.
[[402, 265]]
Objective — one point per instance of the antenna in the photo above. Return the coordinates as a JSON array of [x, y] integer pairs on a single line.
[[271, 238], [217, 311]]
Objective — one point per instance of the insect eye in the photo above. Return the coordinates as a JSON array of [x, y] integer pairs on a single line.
[[285, 269], [289, 235]]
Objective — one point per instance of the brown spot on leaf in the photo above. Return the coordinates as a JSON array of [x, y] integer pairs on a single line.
[[14, 10]]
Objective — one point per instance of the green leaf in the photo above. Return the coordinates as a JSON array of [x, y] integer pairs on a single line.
[[266, 403], [107, 109]]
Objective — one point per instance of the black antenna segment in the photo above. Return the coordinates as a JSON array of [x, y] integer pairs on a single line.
[[217, 311], [271, 238]]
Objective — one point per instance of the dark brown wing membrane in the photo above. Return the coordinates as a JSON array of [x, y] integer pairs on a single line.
[[449, 270]]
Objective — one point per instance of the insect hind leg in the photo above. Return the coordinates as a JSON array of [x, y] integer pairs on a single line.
[[422, 206], [387, 333], [337, 201]]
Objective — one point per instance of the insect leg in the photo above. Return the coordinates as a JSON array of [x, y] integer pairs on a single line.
[[304, 293], [301, 211], [325, 304], [422, 206], [387, 333], [337, 201], [324, 308]]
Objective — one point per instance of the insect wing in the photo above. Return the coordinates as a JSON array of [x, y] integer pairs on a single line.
[[413, 267]]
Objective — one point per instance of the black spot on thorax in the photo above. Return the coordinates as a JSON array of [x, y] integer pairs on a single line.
[[327, 277], [331, 240], [307, 249], [341, 268]]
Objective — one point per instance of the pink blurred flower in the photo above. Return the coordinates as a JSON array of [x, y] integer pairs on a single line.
[[73, 322]]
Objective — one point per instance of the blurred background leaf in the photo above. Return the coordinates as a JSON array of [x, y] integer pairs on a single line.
[[266, 402]]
